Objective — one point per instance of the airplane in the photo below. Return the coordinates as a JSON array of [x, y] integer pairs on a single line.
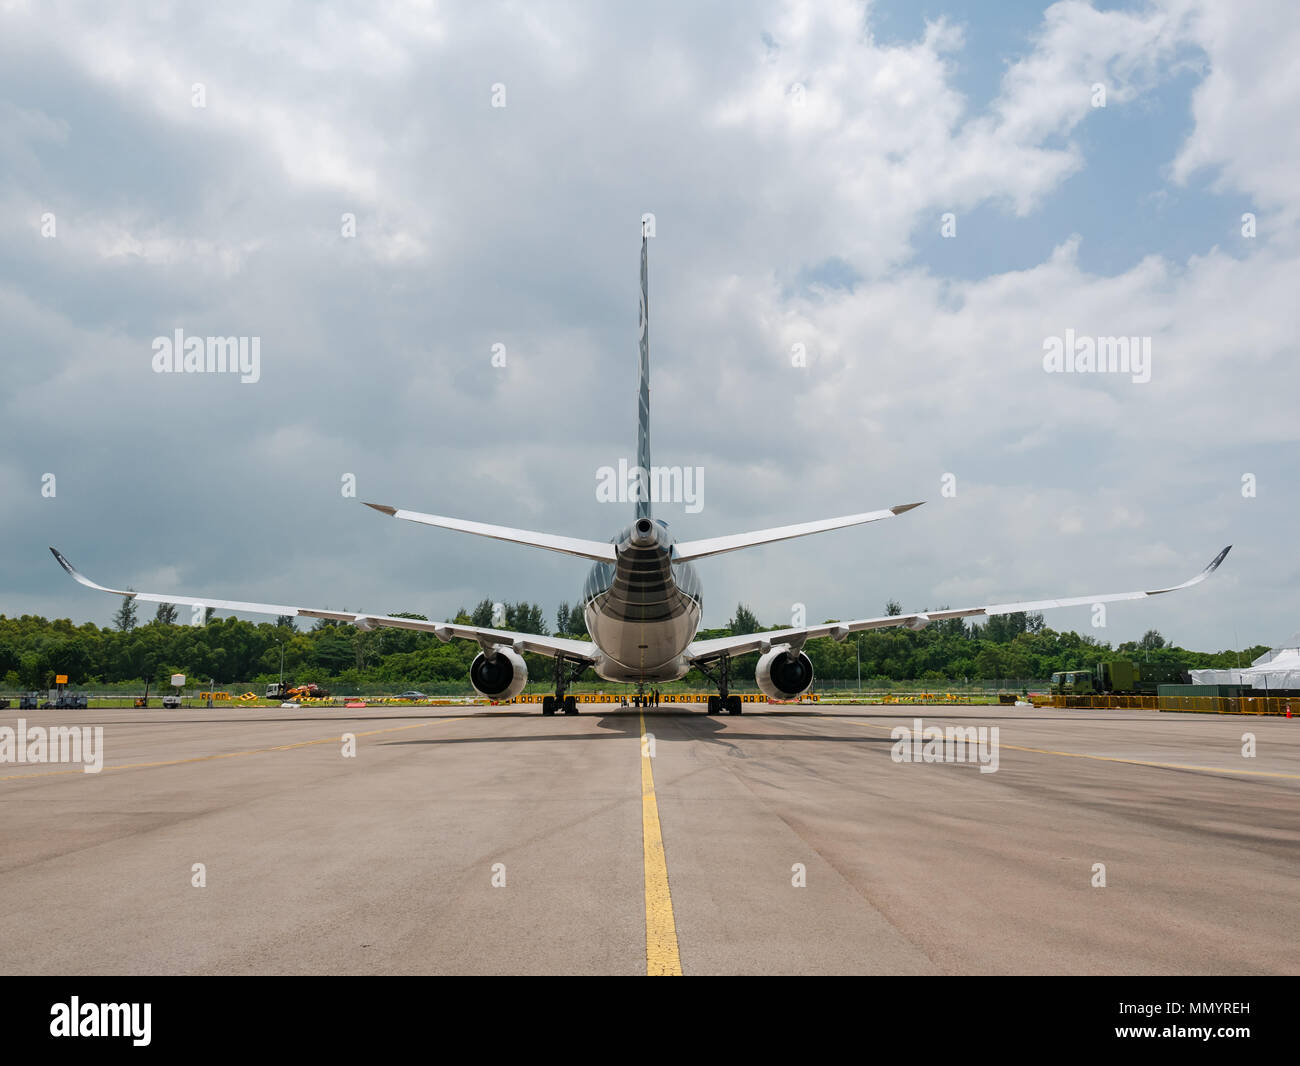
[[642, 598]]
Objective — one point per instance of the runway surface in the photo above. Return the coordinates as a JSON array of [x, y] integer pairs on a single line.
[[676, 852]]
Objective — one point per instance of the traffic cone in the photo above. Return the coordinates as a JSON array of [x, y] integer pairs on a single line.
[[1288, 708]]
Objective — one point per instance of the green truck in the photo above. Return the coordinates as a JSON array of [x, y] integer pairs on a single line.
[[1119, 678]]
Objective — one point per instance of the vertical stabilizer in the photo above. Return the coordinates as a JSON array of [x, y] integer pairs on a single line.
[[643, 396]]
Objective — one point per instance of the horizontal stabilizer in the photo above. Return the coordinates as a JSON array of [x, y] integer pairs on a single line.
[[699, 549], [600, 551]]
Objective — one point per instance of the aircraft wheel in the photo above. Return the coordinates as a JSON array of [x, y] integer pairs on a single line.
[[715, 705], [734, 706], [548, 705], [570, 705]]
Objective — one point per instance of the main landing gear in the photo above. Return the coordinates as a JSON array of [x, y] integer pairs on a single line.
[[551, 704], [561, 702], [722, 701], [730, 704]]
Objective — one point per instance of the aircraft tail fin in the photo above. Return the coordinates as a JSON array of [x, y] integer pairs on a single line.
[[643, 394]]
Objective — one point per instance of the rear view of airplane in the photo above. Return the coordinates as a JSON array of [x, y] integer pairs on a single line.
[[642, 599]]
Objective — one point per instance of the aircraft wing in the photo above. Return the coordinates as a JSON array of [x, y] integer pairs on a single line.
[[706, 650], [444, 631]]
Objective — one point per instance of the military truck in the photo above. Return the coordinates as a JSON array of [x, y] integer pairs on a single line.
[[1119, 678]]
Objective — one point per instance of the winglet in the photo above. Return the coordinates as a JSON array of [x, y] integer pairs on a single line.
[[906, 507], [383, 508], [80, 578], [1214, 564]]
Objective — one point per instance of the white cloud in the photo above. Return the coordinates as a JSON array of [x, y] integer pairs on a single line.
[[1245, 107], [477, 225]]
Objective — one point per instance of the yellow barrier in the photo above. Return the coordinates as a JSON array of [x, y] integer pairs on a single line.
[[1260, 705], [1101, 703], [664, 697]]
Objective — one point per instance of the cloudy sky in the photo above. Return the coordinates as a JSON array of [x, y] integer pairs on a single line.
[[799, 159]]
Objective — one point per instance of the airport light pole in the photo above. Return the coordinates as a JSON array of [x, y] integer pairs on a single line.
[[859, 647]]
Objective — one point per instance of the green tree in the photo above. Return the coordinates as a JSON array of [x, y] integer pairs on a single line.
[[166, 614], [523, 617], [743, 621], [577, 621], [482, 615], [124, 618], [1151, 640], [989, 663], [364, 646], [333, 653], [391, 641]]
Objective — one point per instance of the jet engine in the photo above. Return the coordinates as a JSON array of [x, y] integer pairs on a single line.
[[501, 677], [783, 674]]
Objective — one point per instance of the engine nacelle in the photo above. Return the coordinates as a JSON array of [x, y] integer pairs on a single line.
[[782, 674], [501, 677]]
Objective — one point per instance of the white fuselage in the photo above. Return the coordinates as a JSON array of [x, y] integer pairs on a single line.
[[643, 610]]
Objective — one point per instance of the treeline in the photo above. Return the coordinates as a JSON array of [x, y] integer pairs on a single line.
[[34, 649]]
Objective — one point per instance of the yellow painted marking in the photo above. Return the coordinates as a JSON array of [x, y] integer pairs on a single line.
[[224, 755], [661, 957], [1099, 758]]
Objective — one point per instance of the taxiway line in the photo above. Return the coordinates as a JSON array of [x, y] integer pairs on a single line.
[[661, 954]]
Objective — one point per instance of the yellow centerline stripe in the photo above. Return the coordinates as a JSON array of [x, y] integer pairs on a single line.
[[224, 755], [661, 957], [1098, 758]]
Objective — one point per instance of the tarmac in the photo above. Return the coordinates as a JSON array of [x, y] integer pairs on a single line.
[[784, 840]]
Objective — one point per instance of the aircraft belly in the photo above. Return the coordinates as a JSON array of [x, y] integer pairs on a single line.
[[636, 650], [672, 671]]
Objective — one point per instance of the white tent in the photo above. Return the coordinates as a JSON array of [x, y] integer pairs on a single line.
[[1276, 669]]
